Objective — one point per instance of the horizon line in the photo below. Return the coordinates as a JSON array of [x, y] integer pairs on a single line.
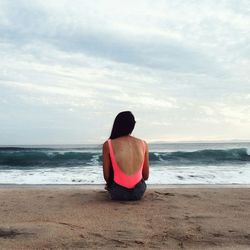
[[149, 142]]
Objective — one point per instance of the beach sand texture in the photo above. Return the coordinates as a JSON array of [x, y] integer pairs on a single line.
[[166, 218]]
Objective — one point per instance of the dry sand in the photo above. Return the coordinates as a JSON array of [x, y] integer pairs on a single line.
[[66, 217]]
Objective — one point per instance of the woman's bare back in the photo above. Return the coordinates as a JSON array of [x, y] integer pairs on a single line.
[[129, 153]]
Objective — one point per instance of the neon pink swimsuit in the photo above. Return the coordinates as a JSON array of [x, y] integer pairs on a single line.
[[128, 181]]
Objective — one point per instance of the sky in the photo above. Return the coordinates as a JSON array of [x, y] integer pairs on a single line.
[[68, 67]]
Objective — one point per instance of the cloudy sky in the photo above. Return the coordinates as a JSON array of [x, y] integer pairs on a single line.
[[69, 66]]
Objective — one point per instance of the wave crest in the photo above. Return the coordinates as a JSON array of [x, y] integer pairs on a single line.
[[207, 156], [29, 158]]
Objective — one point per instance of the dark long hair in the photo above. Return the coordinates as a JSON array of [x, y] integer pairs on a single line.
[[124, 124]]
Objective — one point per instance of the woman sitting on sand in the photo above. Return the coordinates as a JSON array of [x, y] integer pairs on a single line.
[[125, 160]]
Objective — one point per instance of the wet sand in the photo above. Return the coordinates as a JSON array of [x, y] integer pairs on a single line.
[[83, 217]]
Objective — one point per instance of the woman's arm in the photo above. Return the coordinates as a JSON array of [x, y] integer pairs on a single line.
[[106, 161], [145, 170]]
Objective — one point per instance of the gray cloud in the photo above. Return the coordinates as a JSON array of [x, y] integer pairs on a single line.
[[30, 24]]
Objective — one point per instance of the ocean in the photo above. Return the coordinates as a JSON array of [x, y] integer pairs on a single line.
[[170, 163]]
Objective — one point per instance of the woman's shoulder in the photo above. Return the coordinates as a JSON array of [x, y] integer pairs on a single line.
[[140, 140], [105, 145], [123, 138]]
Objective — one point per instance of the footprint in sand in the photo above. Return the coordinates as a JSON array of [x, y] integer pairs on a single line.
[[217, 235], [11, 233], [247, 236], [166, 194], [5, 233]]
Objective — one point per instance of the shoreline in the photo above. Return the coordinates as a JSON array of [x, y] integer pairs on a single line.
[[101, 186]]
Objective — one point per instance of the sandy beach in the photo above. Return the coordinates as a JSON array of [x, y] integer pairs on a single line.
[[83, 217]]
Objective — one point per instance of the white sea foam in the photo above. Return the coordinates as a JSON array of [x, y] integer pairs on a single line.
[[248, 151], [158, 175]]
